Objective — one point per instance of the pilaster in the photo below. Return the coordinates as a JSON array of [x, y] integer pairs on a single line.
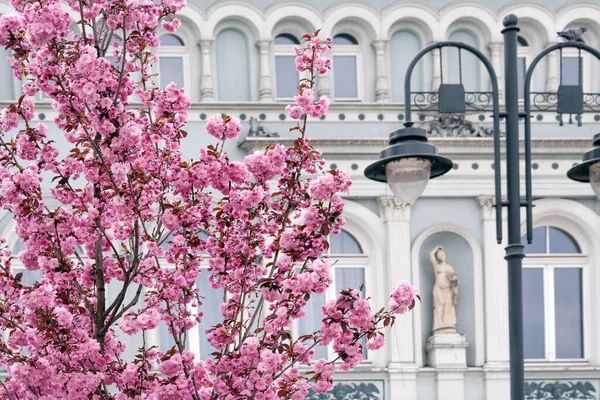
[[265, 89], [402, 367], [496, 51], [396, 215], [381, 87], [496, 368], [207, 93], [323, 86], [436, 70], [553, 63]]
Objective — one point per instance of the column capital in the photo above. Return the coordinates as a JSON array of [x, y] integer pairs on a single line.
[[380, 44], [393, 209], [486, 205], [206, 43], [263, 45]]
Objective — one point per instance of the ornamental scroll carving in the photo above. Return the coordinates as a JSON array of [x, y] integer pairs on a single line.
[[456, 127]]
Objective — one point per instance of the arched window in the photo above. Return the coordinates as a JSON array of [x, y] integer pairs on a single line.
[[172, 60], [6, 76], [233, 66], [349, 267], [210, 308], [346, 70], [471, 68], [404, 46], [523, 54], [553, 296], [286, 75]]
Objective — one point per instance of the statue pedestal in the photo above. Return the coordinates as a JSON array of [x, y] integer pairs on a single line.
[[447, 353]]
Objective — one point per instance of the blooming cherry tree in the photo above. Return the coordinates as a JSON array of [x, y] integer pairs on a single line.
[[123, 212]]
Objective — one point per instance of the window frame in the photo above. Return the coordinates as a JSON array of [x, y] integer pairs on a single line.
[[548, 262], [353, 50], [525, 52], [281, 50], [585, 64], [182, 52], [337, 261], [193, 339]]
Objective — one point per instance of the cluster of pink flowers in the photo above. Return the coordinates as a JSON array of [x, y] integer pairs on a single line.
[[127, 210], [403, 298], [311, 58], [305, 104], [223, 128]]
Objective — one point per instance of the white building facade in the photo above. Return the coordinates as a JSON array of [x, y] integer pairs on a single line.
[[236, 57]]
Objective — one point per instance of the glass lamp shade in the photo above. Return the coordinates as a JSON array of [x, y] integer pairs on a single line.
[[595, 178], [408, 177]]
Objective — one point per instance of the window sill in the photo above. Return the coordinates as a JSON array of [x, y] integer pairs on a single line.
[[556, 365]]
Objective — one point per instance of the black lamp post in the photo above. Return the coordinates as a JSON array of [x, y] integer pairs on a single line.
[[409, 161]]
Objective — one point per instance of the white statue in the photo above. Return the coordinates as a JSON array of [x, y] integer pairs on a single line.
[[445, 292]]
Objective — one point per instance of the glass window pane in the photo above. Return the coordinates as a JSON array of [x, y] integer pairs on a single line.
[[166, 341], [570, 71], [404, 45], [521, 70], [312, 321], [568, 313], [533, 313], [210, 308], [344, 39], [562, 243], [233, 66], [471, 66], [344, 243], [353, 278], [286, 76], [170, 40], [6, 76], [30, 277], [538, 245], [344, 77], [171, 70], [286, 39]]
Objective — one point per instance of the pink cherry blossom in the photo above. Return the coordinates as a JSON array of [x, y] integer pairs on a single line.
[[133, 230]]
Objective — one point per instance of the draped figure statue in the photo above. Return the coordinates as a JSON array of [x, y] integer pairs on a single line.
[[445, 292]]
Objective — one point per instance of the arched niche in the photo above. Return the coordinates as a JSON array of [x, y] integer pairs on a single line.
[[293, 25], [474, 32], [590, 64], [464, 254], [236, 60], [406, 41], [364, 34]]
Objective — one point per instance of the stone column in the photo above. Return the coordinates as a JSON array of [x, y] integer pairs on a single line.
[[496, 51], [496, 368], [435, 70], [323, 86], [381, 88], [553, 75], [265, 90], [207, 93], [402, 367]]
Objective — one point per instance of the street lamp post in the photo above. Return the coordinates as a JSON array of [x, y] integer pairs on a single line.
[[409, 162]]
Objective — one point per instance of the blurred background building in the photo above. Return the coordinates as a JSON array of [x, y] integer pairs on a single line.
[[236, 57]]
